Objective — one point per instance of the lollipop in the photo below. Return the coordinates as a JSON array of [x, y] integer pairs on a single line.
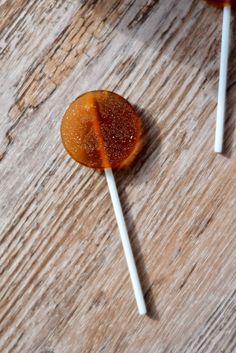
[[101, 130], [220, 118]]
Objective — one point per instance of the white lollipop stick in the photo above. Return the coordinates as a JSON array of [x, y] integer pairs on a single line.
[[125, 241], [220, 118]]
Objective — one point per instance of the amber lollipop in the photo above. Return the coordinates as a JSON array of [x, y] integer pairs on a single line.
[[225, 42], [101, 130]]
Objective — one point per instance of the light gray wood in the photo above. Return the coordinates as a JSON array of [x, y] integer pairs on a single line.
[[64, 283]]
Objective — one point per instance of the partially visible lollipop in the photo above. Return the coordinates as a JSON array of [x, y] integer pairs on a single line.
[[220, 118], [100, 129], [222, 3]]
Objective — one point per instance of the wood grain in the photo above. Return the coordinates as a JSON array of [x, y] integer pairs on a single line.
[[64, 284]]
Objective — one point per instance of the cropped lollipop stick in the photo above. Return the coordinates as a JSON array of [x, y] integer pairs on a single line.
[[125, 242], [220, 118]]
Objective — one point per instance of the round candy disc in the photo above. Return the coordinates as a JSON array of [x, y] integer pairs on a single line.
[[100, 129], [221, 3]]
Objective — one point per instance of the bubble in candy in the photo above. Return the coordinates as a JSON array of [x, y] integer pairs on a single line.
[[100, 129]]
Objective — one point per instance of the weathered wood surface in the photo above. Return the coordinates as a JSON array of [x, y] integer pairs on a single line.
[[64, 282]]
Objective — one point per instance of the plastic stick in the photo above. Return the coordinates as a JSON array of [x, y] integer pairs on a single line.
[[220, 118], [125, 242]]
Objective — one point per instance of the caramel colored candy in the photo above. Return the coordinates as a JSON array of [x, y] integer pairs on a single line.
[[222, 3], [100, 129]]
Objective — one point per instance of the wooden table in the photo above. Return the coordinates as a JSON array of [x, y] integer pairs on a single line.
[[64, 281]]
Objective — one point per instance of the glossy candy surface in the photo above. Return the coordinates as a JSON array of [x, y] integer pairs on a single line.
[[222, 3], [100, 129]]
